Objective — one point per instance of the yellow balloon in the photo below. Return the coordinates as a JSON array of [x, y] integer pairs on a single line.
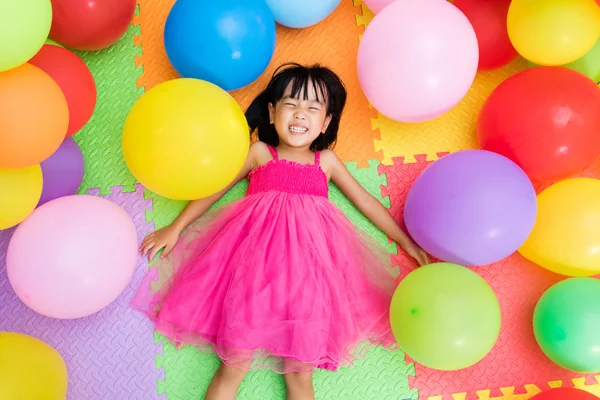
[[186, 139], [566, 235], [30, 369], [20, 192], [553, 32]]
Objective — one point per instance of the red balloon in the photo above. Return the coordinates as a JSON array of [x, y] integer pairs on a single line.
[[564, 394], [488, 18], [90, 24], [74, 78], [545, 119]]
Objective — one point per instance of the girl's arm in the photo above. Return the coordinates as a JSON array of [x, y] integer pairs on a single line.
[[369, 205], [167, 237]]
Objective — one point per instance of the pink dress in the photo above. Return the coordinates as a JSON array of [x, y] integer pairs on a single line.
[[280, 279]]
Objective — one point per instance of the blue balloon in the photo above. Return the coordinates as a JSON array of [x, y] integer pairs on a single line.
[[301, 13], [226, 42]]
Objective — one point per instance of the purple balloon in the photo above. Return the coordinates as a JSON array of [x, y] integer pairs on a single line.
[[62, 172], [472, 208]]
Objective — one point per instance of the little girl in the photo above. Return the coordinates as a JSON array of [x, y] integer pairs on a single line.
[[280, 279]]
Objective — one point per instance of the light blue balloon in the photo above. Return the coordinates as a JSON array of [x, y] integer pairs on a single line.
[[301, 13], [226, 42]]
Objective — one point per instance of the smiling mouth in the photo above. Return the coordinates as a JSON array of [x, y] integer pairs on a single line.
[[298, 130]]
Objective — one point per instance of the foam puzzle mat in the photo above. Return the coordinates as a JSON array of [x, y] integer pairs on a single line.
[[115, 355], [109, 354], [515, 368]]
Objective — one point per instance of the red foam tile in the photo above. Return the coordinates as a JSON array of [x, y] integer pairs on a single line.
[[516, 359]]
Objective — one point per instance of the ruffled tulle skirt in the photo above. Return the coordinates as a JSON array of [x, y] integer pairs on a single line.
[[275, 280]]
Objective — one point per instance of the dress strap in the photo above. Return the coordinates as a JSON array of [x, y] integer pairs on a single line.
[[273, 152], [317, 157]]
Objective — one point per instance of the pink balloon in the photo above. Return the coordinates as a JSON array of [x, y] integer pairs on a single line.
[[72, 256], [377, 5], [417, 59]]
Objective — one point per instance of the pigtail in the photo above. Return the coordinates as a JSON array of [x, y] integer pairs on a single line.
[[257, 111], [257, 116]]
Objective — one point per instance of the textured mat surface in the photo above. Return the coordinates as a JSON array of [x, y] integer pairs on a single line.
[[383, 375], [333, 42], [116, 359], [515, 368], [115, 74], [110, 354], [380, 376], [450, 132]]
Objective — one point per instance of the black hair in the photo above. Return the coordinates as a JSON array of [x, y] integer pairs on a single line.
[[328, 86]]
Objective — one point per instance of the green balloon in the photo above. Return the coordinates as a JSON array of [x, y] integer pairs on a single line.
[[445, 316], [24, 26], [566, 324], [588, 64]]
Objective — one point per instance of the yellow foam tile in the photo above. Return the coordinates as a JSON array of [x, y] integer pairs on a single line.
[[508, 393], [453, 131], [450, 132]]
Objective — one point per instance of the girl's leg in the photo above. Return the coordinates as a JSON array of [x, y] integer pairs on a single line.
[[226, 383], [299, 386]]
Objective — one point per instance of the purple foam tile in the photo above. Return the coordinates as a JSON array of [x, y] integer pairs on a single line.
[[111, 354]]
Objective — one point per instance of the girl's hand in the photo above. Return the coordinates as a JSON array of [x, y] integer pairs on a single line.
[[164, 237], [416, 252]]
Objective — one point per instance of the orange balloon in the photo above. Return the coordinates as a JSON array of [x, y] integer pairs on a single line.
[[34, 116]]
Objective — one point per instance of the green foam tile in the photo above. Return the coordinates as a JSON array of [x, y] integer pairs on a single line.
[[166, 210], [383, 375], [115, 74], [188, 373], [370, 179]]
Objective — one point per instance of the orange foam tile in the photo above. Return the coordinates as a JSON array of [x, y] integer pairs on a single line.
[[333, 42]]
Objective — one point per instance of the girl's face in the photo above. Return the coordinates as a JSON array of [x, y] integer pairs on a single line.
[[299, 121]]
